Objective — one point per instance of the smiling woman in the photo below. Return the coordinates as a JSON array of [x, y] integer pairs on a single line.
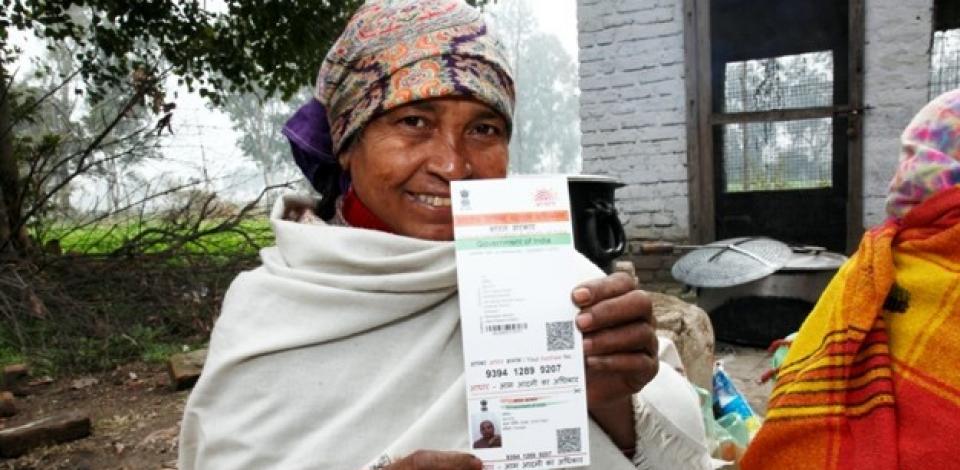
[[343, 350], [404, 161]]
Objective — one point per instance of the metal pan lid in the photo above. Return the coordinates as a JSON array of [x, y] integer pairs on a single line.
[[814, 261], [732, 262]]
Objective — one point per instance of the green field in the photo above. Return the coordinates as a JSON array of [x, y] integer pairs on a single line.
[[155, 237]]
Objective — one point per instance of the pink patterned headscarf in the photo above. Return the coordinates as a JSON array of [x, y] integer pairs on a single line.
[[395, 52], [929, 156]]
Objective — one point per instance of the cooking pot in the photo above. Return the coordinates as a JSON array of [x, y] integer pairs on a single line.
[[597, 232], [758, 312], [755, 289]]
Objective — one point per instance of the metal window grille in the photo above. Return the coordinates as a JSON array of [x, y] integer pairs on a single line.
[[778, 155], [785, 82], [945, 62]]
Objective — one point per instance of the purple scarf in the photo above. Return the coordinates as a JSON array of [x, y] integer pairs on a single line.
[[308, 131]]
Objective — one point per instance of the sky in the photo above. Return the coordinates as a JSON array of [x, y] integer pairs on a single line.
[[203, 143], [557, 17]]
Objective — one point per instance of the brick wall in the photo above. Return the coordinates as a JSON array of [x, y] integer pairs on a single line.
[[896, 67], [632, 109], [633, 117]]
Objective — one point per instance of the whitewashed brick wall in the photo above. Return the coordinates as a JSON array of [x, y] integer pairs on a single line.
[[895, 86], [632, 109]]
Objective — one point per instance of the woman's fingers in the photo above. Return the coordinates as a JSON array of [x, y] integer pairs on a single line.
[[620, 340], [637, 336], [622, 363], [635, 369], [437, 460], [596, 290], [631, 306]]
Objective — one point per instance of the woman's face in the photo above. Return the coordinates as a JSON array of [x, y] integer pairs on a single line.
[[487, 430], [404, 161]]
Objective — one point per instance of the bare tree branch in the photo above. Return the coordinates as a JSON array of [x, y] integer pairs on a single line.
[[137, 96], [36, 103]]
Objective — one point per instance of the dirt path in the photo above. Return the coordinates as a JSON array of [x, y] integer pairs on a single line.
[[135, 417]]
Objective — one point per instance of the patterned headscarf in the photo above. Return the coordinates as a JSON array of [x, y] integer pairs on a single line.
[[395, 52], [929, 156]]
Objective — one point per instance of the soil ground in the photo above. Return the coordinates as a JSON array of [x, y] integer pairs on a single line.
[[136, 414]]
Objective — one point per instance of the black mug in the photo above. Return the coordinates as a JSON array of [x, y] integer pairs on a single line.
[[597, 232]]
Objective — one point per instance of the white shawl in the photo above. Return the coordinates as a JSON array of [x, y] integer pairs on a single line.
[[342, 349]]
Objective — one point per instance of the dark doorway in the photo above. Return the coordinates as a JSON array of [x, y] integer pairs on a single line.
[[780, 139], [945, 48]]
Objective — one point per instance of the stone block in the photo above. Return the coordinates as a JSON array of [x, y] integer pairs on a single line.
[[17, 441], [184, 369], [8, 407], [690, 328], [15, 379]]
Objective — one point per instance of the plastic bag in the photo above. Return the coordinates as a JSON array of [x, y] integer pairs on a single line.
[[727, 399]]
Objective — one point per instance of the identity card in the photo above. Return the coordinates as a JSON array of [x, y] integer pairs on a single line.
[[523, 354]]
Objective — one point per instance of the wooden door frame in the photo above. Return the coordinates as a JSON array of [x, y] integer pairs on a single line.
[[696, 38], [700, 122], [857, 37]]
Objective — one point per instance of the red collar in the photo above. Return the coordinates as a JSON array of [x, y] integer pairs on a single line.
[[357, 214]]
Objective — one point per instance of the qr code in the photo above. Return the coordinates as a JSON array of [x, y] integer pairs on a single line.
[[568, 440], [559, 335]]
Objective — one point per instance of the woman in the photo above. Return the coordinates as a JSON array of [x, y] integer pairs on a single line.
[[871, 380], [343, 349]]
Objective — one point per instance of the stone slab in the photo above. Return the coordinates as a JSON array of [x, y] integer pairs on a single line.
[[184, 369], [15, 378], [17, 441]]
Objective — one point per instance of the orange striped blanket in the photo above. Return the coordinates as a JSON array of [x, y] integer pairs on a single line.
[[872, 380]]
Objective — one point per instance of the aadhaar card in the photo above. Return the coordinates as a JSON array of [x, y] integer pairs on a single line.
[[523, 355]]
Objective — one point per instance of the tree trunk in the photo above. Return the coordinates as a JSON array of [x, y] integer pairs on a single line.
[[10, 207]]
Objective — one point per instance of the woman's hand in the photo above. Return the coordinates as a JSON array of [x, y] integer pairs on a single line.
[[620, 345], [619, 338], [437, 460]]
